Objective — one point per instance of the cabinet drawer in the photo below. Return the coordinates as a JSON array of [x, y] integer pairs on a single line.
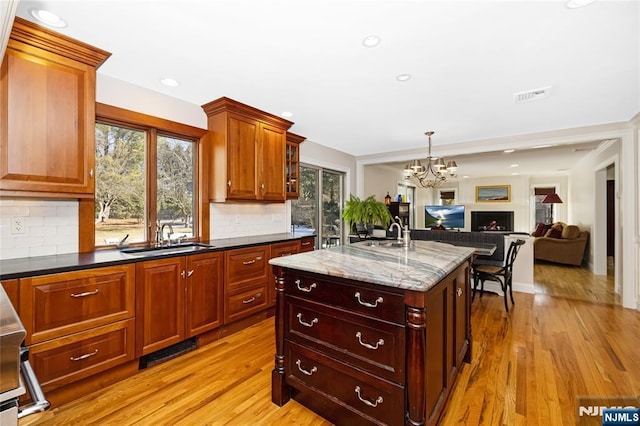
[[59, 304], [365, 394], [242, 304], [246, 267], [70, 358], [307, 244], [376, 346], [372, 302]]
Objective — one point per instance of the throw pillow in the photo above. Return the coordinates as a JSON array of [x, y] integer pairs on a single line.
[[539, 232], [570, 232], [555, 231]]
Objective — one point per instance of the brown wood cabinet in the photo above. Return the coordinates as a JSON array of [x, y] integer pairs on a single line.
[[246, 152], [361, 353], [78, 323], [47, 118], [247, 280], [292, 165], [286, 248], [177, 298]]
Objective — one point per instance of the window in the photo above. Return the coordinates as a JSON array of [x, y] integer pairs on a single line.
[[145, 177], [543, 212], [319, 206]]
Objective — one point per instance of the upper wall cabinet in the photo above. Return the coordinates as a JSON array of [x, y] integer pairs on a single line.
[[247, 152], [292, 165], [47, 118]]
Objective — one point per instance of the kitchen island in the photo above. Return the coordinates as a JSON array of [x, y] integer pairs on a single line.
[[371, 333]]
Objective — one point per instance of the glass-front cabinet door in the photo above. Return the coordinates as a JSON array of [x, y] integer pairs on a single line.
[[292, 165]]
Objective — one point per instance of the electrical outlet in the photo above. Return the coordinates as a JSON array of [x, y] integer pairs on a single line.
[[17, 225], [237, 218]]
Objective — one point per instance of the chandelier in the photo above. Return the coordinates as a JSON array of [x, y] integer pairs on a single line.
[[435, 172]]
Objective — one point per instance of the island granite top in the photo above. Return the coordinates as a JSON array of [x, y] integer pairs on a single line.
[[418, 268]]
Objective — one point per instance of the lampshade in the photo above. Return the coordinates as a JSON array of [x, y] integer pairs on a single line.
[[552, 199]]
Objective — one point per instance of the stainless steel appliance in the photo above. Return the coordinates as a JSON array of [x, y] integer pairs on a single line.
[[14, 359]]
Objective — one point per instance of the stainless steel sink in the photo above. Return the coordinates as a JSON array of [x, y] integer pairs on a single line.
[[175, 249]]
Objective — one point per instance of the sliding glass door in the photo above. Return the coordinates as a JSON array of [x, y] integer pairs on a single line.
[[319, 207]]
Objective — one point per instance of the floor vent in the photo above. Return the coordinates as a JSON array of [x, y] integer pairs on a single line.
[[167, 353], [532, 95]]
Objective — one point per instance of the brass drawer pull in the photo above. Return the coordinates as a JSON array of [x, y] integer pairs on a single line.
[[250, 262], [85, 356], [459, 291], [307, 324], [367, 304], [308, 373], [380, 342], [85, 294], [249, 300], [306, 243], [305, 289], [366, 401]]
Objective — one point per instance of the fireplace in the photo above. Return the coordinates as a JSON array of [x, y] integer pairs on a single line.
[[492, 221]]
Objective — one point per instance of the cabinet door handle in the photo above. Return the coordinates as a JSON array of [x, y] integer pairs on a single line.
[[306, 324], [249, 300], [85, 294], [379, 343], [314, 369], [190, 273], [229, 184], [85, 356], [183, 275], [262, 186], [91, 173], [459, 291], [367, 304], [305, 289], [374, 404], [249, 262]]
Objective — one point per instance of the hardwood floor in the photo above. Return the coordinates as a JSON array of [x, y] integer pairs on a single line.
[[528, 367]]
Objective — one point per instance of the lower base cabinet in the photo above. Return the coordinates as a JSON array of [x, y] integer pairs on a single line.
[[354, 359], [177, 298]]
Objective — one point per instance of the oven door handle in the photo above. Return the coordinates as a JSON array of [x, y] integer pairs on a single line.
[[40, 403]]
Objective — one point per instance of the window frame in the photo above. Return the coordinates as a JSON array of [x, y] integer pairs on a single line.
[[153, 126]]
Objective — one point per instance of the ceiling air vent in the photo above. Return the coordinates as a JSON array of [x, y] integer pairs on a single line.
[[532, 95]]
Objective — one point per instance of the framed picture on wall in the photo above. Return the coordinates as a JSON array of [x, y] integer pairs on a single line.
[[493, 193]]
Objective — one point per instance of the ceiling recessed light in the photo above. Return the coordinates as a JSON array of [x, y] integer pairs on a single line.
[[465, 177], [287, 114], [403, 77], [508, 151], [47, 18], [515, 174], [514, 165], [371, 41], [170, 82], [574, 4], [541, 146]]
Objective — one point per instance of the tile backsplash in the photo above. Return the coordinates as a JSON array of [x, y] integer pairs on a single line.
[[241, 220], [38, 228]]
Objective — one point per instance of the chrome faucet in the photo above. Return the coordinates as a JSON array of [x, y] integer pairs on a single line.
[[397, 225], [168, 235]]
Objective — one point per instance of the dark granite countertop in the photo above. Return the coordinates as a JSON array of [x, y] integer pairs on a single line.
[[41, 265]]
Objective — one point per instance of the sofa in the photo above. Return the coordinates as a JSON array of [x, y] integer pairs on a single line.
[[560, 243]]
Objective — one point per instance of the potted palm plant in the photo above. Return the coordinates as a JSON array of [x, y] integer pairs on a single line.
[[362, 215]]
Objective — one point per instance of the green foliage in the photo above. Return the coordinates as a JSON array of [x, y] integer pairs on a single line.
[[367, 211]]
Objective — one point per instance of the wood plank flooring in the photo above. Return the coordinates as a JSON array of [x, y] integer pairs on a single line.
[[528, 368]]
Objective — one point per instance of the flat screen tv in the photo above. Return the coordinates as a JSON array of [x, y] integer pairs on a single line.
[[446, 216]]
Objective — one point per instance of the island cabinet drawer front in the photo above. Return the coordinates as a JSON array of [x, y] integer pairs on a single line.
[[372, 302], [245, 303], [376, 346], [247, 266], [369, 396], [61, 304], [65, 360]]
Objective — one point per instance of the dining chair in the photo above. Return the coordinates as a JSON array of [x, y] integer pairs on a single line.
[[502, 273]]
